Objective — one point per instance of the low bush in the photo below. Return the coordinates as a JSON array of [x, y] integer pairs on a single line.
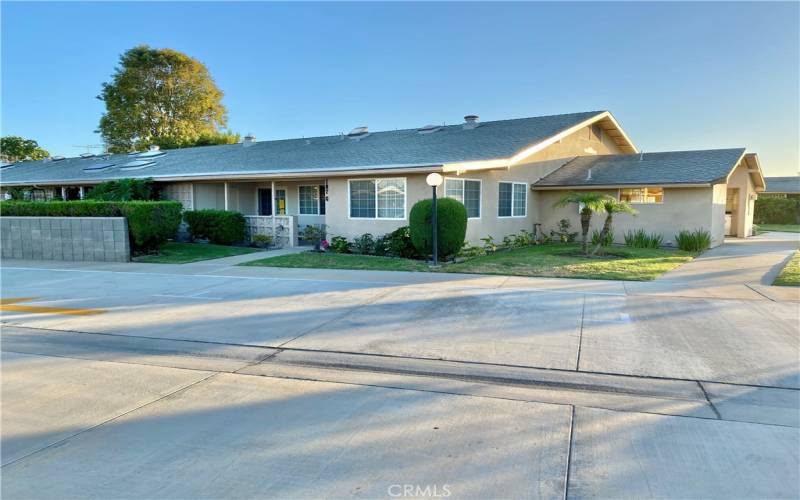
[[693, 241], [640, 239], [340, 244], [777, 211], [261, 240], [314, 234], [564, 232], [123, 190], [607, 240], [398, 244], [451, 221], [150, 223], [220, 227], [364, 244]]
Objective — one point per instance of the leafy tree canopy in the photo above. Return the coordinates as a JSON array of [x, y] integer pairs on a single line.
[[123, 190], [162, 97], [14, 148]]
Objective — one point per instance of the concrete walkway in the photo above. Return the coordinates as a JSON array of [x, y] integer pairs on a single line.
[[739, 269]]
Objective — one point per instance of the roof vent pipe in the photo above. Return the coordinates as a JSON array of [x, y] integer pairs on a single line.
[[249, 140], [154, 147], [470, 121], [589, 174], [641, 155]]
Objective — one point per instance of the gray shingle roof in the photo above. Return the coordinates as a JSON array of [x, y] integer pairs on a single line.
[[783, 184], [673, 167], [400, 148]]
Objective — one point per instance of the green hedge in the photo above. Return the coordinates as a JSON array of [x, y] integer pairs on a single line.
[[150, 223], [777, 211], [451, 220], [217, 226]]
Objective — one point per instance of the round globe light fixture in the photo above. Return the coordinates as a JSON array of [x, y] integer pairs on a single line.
[[434, 179]]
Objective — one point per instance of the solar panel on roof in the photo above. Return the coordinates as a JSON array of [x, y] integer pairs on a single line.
[[137, 164], [97, 167]]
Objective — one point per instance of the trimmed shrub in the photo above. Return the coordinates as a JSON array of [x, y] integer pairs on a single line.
[[451, 221], [123, 190], [640, 239], [397, 244], [339, 244], [693, 241], [564, 233], [364, 244], [150, 223], [777, 211], [217, 226], [608, 240]]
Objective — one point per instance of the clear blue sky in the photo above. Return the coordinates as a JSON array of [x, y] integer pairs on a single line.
[[677, 76]]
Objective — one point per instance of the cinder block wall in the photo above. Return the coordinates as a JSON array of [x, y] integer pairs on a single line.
[[102, 239]]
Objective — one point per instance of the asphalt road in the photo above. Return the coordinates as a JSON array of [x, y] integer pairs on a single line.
[[211, 381]]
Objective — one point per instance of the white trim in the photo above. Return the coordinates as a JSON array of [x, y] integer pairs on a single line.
[[318, 198], [375, 181], [512, 216], [463, 190]]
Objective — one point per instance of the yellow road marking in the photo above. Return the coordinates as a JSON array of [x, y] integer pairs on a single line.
[[13, 304]]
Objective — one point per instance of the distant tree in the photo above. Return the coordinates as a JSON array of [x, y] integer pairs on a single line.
[[123, 190], [14, 148], [589, 202], [162, 97]]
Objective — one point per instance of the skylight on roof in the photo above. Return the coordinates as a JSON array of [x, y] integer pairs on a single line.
[[151, 154], [6, 165], [98, 167], [429, 129], [56, 158], [137, 164], [87, 155]]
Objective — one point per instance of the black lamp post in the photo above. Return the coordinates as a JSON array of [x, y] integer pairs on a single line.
[[434, 180]]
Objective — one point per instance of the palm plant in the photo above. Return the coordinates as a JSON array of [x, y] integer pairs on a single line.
[[611, 206], [589, 202]]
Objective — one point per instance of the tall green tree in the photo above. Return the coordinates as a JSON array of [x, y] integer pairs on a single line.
[[14, 148], [589, 202], [162, 97]]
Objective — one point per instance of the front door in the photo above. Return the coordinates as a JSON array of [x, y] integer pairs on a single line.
[[264, 203]]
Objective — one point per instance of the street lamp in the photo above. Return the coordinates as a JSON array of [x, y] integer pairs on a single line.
[[434, 180]]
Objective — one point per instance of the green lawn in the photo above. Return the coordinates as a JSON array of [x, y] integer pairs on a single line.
[[621, 263], [790, 275], [787, 228], [316, 260], [181, 253]]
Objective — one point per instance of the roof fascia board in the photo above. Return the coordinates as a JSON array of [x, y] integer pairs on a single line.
[[222, 176], [617, 186]]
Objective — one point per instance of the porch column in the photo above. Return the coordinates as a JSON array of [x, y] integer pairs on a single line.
[[80, 192], [226, 196], [272, 209], [63, 193]]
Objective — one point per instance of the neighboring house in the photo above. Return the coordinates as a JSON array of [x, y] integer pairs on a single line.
[[508, 173], [782, 187]]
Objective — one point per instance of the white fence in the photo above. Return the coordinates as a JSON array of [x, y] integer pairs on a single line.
[[284, 233]]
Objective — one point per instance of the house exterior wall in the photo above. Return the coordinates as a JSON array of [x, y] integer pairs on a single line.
[[740, 178], [719, 198], [683, 208], [582, 142]]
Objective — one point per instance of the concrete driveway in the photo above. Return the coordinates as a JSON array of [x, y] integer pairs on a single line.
[[216, 381]]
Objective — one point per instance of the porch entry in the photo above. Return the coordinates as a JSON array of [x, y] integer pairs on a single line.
[[264, 206], [732, 212]]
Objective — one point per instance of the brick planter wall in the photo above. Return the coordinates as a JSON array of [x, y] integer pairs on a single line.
[[103, 239]]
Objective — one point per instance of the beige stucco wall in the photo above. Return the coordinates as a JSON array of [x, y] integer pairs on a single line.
[[718, 200], [740, 178], [683, 208]]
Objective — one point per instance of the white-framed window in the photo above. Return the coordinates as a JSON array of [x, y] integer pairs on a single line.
[[308, 197], [468, 192], [377, 198], [512, 199], [642, 195]]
